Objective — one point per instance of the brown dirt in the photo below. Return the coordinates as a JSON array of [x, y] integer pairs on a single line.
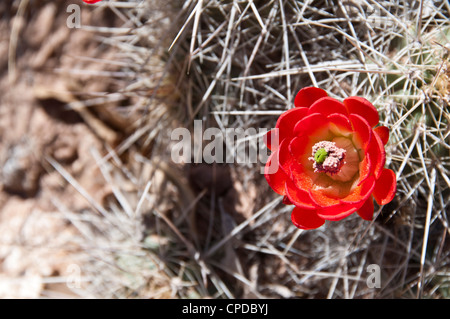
[[38, 50]]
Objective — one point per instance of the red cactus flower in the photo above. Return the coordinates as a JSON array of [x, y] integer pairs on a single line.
[[329, 159], [91, 1]]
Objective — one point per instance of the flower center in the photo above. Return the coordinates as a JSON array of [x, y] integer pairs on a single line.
[[320, 156], [327, 157]]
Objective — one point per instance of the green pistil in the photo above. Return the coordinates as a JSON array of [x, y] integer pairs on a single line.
[[320, 156]]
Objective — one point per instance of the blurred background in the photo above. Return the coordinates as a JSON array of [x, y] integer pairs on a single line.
[[93, 205]]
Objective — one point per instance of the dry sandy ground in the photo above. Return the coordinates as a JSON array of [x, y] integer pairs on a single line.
[[38, 248]]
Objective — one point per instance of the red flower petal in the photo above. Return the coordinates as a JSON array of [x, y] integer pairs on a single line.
[[323, 200], [311, 125], [306, 219], [287, 121], [340, 124], [298, 196], [331, 208], [362, 107], [337, 212], [328, 105], [285, 157], [274, 175], [365, 168], [361, 192], [300, 148], [366, 210], [284, 127], [270, 139], [385, 187], [383, 133], [336, 209], [377, 155], [307, 96], [362, 131], [300, 178], [289, 118], [287, 201]]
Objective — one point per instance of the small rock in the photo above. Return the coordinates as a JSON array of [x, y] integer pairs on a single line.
[[21, 170]]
